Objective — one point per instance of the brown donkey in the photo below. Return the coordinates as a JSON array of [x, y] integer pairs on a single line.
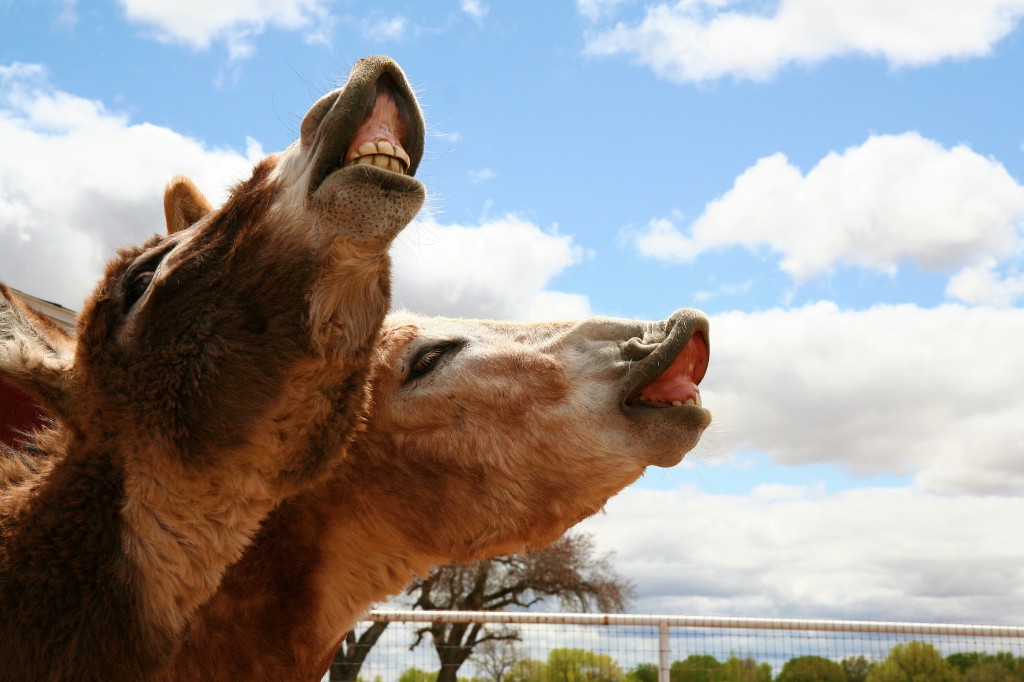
[[214, 372], [483, 438]]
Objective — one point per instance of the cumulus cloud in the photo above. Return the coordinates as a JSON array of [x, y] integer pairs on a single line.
[[871, 554], [699, 40], [983, 284], [197, 24], [499, 269], [932, 393], [894, 198], [78, 180]]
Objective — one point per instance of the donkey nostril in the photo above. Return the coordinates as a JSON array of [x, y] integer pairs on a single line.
[[635, 349]]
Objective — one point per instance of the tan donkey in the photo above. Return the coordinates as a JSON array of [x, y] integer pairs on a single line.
[[483, 438], [215, 371]]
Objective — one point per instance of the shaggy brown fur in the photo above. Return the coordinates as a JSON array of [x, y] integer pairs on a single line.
[[215, 372], [483, 438]]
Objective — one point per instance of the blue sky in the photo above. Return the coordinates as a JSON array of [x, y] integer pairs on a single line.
[[839, 185]]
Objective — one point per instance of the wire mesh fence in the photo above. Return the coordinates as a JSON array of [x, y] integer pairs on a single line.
[[419, 646]]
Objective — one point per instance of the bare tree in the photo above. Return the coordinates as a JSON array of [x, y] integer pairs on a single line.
[[568, 572], [496, 658]]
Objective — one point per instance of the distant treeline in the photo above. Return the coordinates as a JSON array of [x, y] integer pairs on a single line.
[[910, 662]]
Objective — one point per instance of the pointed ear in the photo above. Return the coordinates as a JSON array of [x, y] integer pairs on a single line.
[[35, 354], [184, 204]]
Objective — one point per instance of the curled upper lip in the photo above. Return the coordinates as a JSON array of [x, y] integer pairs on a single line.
[[341, 112], [656, 352]]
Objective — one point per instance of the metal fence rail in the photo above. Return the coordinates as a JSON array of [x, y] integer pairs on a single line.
[[721, 622], [627, 643]]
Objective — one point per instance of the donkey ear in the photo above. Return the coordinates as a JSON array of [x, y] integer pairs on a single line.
[[184, 204], [35, 354]]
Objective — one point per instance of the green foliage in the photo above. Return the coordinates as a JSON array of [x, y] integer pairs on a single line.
[[914, 662], [1001, 667], [744, 670], [526, 670], [855, 668], [989, 671], [416, 675], [963, 661], [811, 669], [702, 668], [643, 672], [695, 668], [580, 665], [910, 662]]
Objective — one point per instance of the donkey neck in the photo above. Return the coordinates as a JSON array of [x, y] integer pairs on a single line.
[[180, 532]]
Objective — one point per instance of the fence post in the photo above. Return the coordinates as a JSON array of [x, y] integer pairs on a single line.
[[664, 654]]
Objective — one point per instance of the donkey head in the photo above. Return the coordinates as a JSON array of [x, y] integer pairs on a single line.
[[510, 433], [215, 371], [246, 327]]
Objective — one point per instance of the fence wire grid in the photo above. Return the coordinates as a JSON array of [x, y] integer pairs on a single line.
[[559, 647]]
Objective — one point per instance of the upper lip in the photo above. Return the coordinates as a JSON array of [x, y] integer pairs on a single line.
[[679, 329], [348, 110]]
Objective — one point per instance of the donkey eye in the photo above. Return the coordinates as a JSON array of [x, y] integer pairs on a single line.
[[428, 360], [137, 287], [139, 278]]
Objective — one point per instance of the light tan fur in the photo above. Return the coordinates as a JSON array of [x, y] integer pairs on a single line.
[[515, 434]]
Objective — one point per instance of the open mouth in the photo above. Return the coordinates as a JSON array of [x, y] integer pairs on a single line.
[[378, 140], [670, 376], [373, 121]]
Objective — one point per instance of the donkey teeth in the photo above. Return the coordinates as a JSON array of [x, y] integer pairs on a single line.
[[656, 401], [382, 154], [381, 161], [673, 403]]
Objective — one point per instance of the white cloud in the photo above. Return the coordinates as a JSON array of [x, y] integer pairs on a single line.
[[197, 23], [597, 9], [478, 176], [894, 198], [982, 284], [699, 40], [498, 269], [384, 29], [871, 554], [78, 180], [475, 8], [928, 393], [67, 16], [727, 289]]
